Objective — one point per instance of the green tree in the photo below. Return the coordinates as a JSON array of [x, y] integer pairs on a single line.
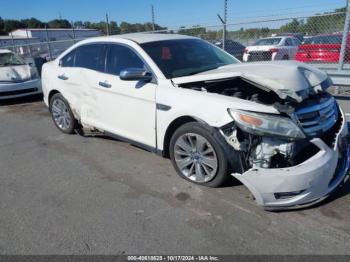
[[32, 23], [195, 31], [10, 25], [292, 27], [59, 23], [114, 28], [125, 27], [78, 24], [2, 27]]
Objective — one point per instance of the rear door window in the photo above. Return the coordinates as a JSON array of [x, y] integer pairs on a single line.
[[91, 56], [296, 42], [324, 39], [269, 41], [120, 57], [289, 42]]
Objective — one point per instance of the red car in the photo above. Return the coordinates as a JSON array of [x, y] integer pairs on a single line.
[[322, 48]]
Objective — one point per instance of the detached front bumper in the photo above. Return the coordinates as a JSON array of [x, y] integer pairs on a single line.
[[304, 184], [12, 90]]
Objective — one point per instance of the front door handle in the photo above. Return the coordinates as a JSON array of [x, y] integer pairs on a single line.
[[105, 84], [62, 77]]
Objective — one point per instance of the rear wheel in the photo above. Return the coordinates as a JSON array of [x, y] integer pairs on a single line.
[[62, 115], [197, 156], [285, 57]]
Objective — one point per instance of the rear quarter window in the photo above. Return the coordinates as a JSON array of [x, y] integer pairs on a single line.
[[68, 60]]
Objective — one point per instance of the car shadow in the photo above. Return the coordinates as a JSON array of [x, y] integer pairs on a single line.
[[231, 181], [21, 100]]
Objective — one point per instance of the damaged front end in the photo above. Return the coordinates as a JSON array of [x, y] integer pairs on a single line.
[[294, 159], [288, 159]]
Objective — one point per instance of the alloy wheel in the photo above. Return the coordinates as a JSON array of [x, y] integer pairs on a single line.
[[61, 115], [195, 157]]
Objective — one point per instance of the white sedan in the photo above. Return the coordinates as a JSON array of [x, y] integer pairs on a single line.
[[273, 126], [17, 78], [272, 48]]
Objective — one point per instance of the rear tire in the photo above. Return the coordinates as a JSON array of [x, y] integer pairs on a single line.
[[62, 115], [197, 156], [285, 57]]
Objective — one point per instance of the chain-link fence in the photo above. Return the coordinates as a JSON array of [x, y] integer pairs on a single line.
[[312, 39]]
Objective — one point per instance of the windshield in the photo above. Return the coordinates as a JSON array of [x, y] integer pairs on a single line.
[[324, 39], [268, 41], [10, 59], [184, 57]]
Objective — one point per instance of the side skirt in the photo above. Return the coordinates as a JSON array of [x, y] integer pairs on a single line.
[[135, 143]]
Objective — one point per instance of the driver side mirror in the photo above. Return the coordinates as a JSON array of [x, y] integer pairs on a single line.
[[135, 74]]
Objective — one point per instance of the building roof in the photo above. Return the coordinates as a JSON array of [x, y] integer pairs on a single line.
[[150, 37], [5, 51], [8, 37]]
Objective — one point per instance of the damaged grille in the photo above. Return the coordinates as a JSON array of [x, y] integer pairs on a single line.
[[318, 117]]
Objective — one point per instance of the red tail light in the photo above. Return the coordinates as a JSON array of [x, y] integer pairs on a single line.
[[246, 50], [273, 50]]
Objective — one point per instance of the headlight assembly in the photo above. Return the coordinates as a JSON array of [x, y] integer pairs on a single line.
[[264, 124]]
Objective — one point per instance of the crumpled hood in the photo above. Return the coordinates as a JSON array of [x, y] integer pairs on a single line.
[[15, 73], [285, 78]]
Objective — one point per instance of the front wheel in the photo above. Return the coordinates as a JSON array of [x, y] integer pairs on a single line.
[[197, 156], [62, 115]]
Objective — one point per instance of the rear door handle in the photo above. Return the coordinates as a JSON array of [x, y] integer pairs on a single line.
[[105, 84], [62, 77]]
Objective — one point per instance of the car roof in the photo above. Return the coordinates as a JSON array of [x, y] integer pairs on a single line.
[[141, 38], [277, 36]]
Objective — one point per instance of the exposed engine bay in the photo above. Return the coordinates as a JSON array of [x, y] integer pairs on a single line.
[[288, 138], [236, 87], [317, 116]]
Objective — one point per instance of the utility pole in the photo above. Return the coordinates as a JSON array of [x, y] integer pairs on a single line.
[[153, 23], [13, 42], [224, 22], [28, 42], [48, 42], [345, 36], [73, 31], [107, 24], [224, 27]]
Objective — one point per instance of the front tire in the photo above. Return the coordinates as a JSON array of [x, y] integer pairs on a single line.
[[62, 115], [197, 156]]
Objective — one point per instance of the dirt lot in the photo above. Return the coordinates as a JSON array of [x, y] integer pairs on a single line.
[[62, 194]]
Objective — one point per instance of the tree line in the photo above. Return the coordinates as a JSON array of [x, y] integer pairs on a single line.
[[318, 24], [8, 25]]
